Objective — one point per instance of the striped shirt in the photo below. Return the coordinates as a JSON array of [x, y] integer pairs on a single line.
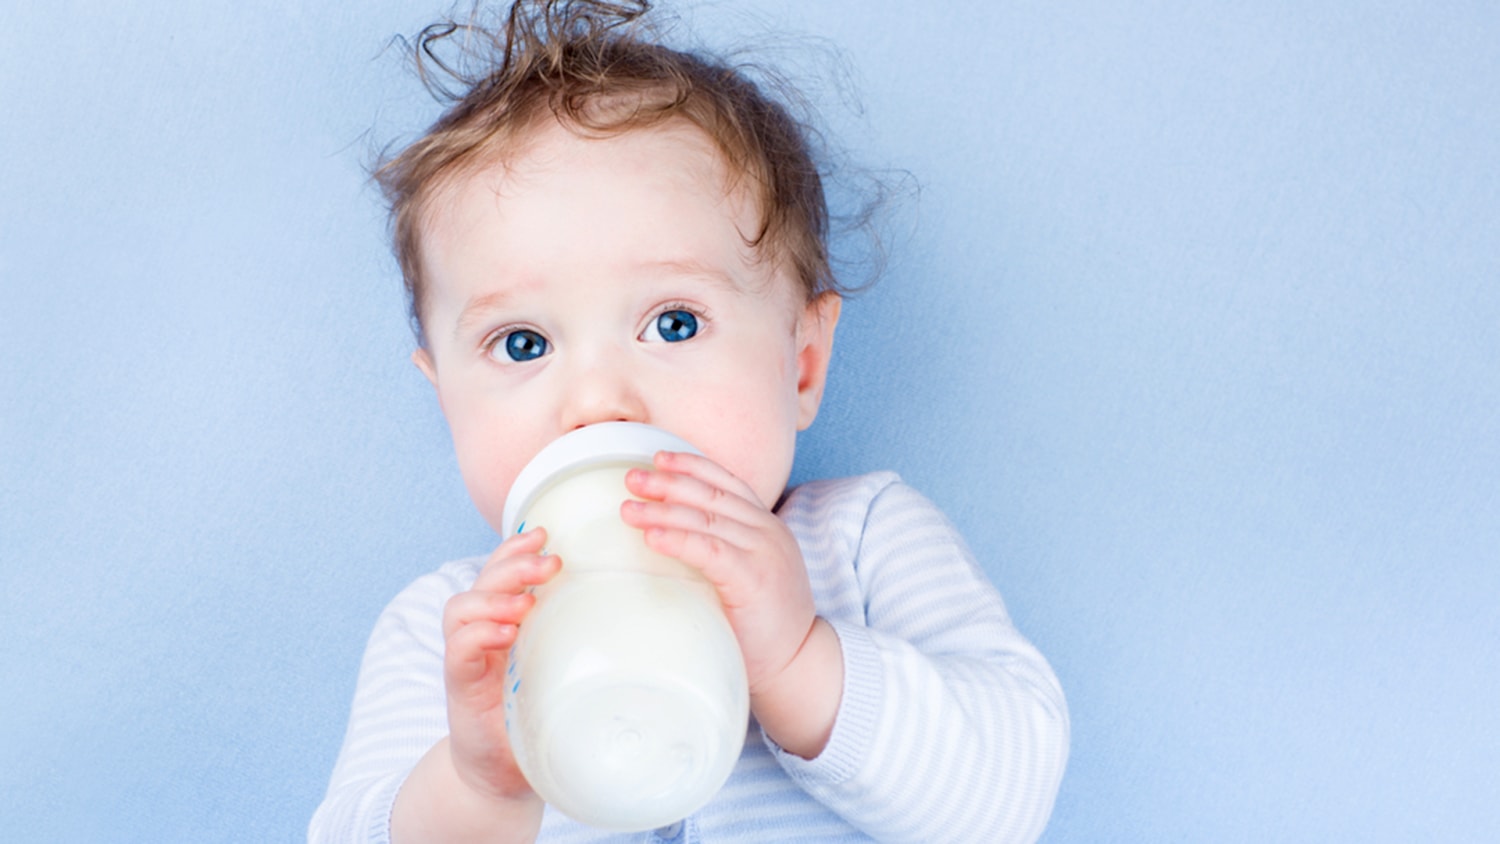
[[952, 727]]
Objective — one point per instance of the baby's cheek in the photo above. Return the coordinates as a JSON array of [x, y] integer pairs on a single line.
[[488, 476], [763, 463], [489, 501]]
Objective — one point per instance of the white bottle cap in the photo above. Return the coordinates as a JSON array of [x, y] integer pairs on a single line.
[[602, 443]]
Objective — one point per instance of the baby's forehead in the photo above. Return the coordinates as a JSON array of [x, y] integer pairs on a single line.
[[670, 184], [692, 150], [676, 147]]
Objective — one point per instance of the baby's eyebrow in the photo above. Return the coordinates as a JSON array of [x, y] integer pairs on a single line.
[[477, 306], [696, 269]]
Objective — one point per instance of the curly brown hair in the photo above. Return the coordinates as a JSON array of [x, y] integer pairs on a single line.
[[600, 69]]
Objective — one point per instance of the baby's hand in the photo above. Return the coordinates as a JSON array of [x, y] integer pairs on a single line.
[[698, 512], [479, 627]]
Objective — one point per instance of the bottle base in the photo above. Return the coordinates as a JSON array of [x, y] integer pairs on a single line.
[[635, 757]]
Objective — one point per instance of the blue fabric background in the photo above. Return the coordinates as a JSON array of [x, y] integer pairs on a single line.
[[1193, 332]]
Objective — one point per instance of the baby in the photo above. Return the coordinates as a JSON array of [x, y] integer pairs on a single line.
[[603, 228]]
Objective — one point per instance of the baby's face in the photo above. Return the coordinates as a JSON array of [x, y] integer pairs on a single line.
[[592, 280]]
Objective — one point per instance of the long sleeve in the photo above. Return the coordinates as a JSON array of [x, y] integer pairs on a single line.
[[952, 726], [398, 713]]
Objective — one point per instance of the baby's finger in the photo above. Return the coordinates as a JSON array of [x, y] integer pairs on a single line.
[[473, 651], [649, 515], [707, 471], [467, 608], [515, 564], [733, 501], [525, 541], [514, 574], [720, 562]]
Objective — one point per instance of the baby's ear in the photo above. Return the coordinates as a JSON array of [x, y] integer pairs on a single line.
[[423, 359], [814, 349]]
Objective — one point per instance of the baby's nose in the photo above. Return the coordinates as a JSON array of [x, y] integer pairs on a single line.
[[603, 393]]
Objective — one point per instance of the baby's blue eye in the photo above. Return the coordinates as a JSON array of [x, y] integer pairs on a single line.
[[676, 326], [524, 345]]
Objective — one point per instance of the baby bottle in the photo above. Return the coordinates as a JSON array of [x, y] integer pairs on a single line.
[[626, 701]]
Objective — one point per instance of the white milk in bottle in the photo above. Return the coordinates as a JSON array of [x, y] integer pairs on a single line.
[[626, 702]]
